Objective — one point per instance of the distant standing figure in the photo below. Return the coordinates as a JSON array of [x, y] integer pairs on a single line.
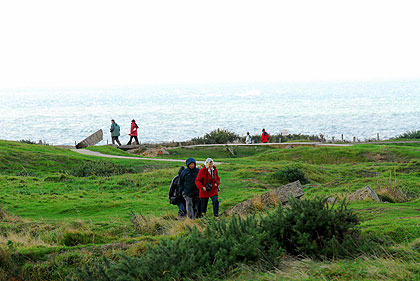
[[208, 182], [115, 132], [133, 132], [175, 196], [264, 136], [189, 189], [248, 138]]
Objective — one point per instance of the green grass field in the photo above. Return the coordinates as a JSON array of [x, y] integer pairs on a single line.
[[61, 210]]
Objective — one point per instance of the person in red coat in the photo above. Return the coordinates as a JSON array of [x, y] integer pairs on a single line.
[[208, 182], [133, 132], [264, 136]]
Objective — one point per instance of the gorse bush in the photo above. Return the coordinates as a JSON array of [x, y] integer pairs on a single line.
[[308, 227], [289, 174], [410, 135], [217, 136], [313, 228], [98, 168]]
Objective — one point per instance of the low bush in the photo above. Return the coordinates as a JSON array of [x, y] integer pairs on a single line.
[[217, 136], [308, 227], [313, 228], [28, 141], [410, 135], [290, 174]]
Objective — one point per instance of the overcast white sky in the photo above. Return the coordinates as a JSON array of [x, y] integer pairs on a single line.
[[125, 43]]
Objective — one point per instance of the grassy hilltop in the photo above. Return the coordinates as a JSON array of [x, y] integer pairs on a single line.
[[61, 210]]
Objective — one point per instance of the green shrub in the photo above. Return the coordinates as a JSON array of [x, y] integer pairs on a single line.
[[308, 227], [312, 228], [98, 168], [410, 135], [289, 174], [28, 141], [217, 136]]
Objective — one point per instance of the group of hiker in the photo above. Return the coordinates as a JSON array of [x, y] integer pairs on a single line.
[[191, 189], [115, 132]]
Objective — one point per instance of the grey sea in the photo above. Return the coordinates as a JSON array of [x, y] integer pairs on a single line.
[[181, 112]]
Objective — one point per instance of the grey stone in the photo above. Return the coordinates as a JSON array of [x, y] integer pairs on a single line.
[[91, 140], [271, 198], [363, 194]]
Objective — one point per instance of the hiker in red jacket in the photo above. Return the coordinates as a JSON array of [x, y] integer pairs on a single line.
[[264, 136], [133, 132], [208, 182]]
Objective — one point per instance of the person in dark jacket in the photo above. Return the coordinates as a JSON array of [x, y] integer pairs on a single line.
[[175, 197], [189, 190], [115, 132], [208, 182]]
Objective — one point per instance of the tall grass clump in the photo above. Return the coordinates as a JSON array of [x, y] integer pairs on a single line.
[[308, 227]]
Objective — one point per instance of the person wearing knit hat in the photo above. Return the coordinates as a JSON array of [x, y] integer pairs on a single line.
[[208, 182]]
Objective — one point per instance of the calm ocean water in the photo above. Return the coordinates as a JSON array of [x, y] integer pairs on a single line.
[[166, 113]]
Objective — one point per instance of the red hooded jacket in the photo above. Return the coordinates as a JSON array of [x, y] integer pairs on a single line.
[[133, 130], [203, 178], [264, 137]]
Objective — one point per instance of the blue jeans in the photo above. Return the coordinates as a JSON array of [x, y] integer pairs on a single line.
[[215, 202]]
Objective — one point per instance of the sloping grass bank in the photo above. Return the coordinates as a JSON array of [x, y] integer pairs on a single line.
[[61, 210]]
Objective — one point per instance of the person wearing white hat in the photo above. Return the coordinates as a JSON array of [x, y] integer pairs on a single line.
[[208, 182]]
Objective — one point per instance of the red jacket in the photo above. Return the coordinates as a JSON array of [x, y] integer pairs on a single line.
[[133, 130], [264, 137], [203, 178]]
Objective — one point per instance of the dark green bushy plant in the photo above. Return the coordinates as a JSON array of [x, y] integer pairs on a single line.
[[313, 228], [410, 135], [308, 227], [218, 136], [290, 174], [221, 247]]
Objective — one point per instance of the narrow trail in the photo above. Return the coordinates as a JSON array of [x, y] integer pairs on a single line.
[[283, 145]]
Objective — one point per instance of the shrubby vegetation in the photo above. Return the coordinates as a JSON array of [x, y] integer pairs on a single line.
[[289, 174], [216, 136], [291, 137], [308, 227], [410, 135]]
